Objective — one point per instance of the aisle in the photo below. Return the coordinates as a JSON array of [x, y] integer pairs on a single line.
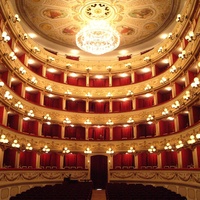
[[98, 195]]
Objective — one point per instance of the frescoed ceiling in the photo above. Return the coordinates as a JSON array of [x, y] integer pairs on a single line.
[[137, 21]]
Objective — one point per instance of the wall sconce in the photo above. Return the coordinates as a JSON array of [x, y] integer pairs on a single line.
[[191, 36], [163, 80], [128, 65], [180, 18], [33, 80], [172, 36], [196, 83], [173, 69], [87, 122], [168, 147], [109, 68], [35, 49], [12, 56], [88, 95], [48, 88], [198, 136], [150, 118], [1, 83], [184, 54], [15, 144], [7, 95], [29, 147], [191, 140], [176, 104], [131, 150], [129, 93], [5, 37], [110, 151], [179, 145], [66, 150], [3, 139], [152, 149], [50, 59], [88, 69], [109, 95], [68, 65], [22, 70], [87, 151], [148, 87], [46, 149], [47, 117], [161, 50], [165, 111], [15, 18], [187, 95], [109, 122], [147, 59], [68, 92], [30, 113], [130, 120], [66, 121], [19, 105], [24, 36]]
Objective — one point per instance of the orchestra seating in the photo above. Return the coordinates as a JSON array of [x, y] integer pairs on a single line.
[[72, 190], [119, 191]]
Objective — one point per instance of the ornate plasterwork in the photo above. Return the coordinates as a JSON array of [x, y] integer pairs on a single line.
[[137, 21]]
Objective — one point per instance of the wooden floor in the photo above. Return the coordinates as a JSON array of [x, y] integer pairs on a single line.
[[98, 195]]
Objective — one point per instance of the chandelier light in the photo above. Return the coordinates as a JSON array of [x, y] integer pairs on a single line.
[[98, 38]]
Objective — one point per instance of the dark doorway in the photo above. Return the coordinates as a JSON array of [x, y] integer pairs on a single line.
[[99, 171]]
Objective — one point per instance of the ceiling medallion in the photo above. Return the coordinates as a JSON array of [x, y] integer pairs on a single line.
[[97, 38]]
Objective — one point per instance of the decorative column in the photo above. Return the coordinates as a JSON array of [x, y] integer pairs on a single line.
[[62, 131], [61, 161], [86, 133], [157, 124], [87, 105], [111, 132], [1, 157], [195, 158], [17, 157], [179, 156], [159, 160], [110, 105], [136, 161], [20, 122], [37, 160]]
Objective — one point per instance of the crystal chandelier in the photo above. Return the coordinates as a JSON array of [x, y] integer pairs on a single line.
[[98, 37]]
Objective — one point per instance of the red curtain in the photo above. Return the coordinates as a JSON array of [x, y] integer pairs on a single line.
[[80, 132], [169, 158], [33, 97], [9, 158], [13, 121], [55, 77], [187, 158], [183, 121], [117, 161], [1, 114], [96, 133], [99, 107], [196, 115], [99, 82], [53, 102], [144, 102], [198, 155], [4, 76], [163, 97], [179, 88], [127, 160], [30, 127], [126, 106], [142, 77], [80, 161], [70, 160], [17, 88], [28, 159]]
